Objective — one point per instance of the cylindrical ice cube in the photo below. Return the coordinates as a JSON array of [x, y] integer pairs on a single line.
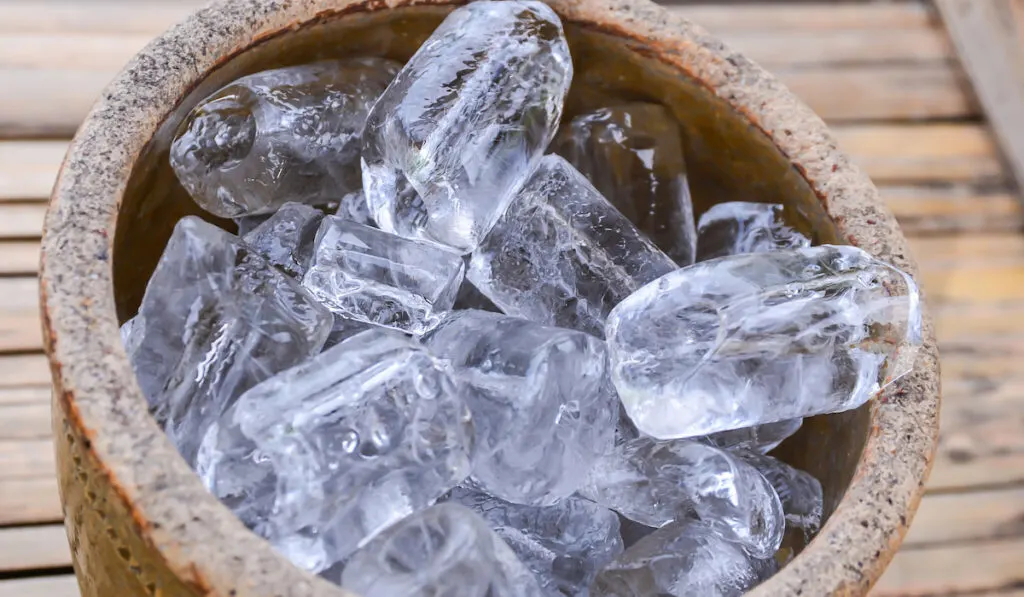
[[751, 339], [465, 121], [288, 134]]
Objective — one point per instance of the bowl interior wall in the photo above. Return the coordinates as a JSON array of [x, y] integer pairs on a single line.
[[728, 159]]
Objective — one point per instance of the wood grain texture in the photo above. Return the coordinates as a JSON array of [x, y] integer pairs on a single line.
[[24, 371], [990, 43], [21, 220], [965, 517], [923, 153], [960, 569], [19, 258], [48, 586], [31, 500], [28, 168], [110, 16], [29, 548], [19, 315]]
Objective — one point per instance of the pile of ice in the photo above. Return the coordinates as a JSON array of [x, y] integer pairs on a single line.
[[440, 362]]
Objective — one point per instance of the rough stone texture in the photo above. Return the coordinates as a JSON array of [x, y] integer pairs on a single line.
[[179, 538]]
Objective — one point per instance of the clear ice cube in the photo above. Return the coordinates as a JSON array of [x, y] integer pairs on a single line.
[[359, 437], [686, 558], [353, 207], [801, 494], [540, 399], [285, 239], [633, 154], [369, 275], [288, 134], [216, 319], [445, 550], [564, 544], [562, 255], [655, 482], [738, 227], [759, 438], [752, 339], [465, 121]]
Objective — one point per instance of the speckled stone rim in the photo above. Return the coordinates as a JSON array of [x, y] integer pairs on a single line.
[[200, 540]]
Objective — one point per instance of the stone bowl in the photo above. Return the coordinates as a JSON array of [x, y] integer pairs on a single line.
[[139, 521]]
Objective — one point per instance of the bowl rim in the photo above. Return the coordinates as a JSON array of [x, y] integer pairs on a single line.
[[209, 548]]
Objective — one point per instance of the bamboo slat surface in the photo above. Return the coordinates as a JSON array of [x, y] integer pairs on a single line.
[[884, 75]]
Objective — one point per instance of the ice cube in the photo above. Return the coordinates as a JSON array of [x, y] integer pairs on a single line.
[[738, 227], [633, 154], [359, 437], [285, 239], [686, 558], [562, 255], [368, 275], [801, 494], [216, 319], [288, 134], [540, 398], [465, 121], [655, 482], [445, 550], [753, 339], [759, 438], [564, 544]]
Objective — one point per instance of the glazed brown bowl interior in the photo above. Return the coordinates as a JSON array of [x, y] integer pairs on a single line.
[[728, 159]]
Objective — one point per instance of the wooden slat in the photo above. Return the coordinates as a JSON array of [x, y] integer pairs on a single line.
[[970, 568], [25, 421], [110, 16], [27, 459], [46, 586], [19, 257], [24, 396], [73, 51], [52, 103], [96, 51], [23, 370], [972, 516], [990, 42], [37, 547], [28, 168], [62, 17], [959, 209], [21, 220], [29, 500], [900, 92], [906, 154], [778, 47], [19, 315], [814, 16]]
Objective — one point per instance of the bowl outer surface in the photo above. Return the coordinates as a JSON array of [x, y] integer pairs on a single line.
[[139, 520]]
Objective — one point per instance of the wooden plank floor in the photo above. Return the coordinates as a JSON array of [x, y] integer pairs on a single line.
[[884, 76]]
